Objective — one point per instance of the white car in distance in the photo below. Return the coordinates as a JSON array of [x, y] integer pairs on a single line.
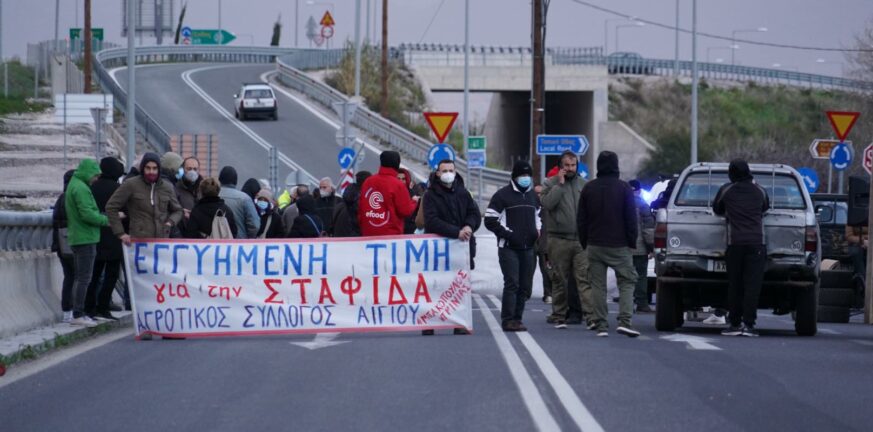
[[256, 100]]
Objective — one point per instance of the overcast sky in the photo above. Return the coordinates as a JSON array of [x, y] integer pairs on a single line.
[[822, 23]]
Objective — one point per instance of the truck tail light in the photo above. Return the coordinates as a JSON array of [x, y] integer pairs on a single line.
[[811, 243], [660, 235]]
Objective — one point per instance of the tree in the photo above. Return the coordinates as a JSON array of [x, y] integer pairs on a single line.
[[179, 26], [277, 32], [861, 62]]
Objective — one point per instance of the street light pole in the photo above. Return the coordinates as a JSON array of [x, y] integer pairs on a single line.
[[296, 22], [638, 24], [676, 60], [466, 81], [606, 33], [131, 84], [357, 48], [694, 81], [734, 38], [57, 23]]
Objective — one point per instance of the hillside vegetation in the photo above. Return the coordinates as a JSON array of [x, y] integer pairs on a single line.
[[764, 124]]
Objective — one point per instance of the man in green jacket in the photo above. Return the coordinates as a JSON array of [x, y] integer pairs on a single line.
[[560, 199], [83, 233]]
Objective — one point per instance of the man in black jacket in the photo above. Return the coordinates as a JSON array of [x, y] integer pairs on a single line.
[[108, 260], [607, 225], [450, 211], [513, 215], [743, 203]]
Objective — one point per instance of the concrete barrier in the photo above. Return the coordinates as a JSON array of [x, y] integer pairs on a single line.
[[30, 291]]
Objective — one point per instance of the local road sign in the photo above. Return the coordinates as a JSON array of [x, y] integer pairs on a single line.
[[96, 33], [327, 32], [211, 37], [476, 158], [842, 122], [476, 143], [868, 159], [821, 148], [327, 19], [810, 178], [346, 157], [186, 31], [438, 153], [582, 169], [441, 123], [841, 156], [557, 144]]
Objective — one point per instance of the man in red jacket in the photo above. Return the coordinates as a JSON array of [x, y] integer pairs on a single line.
[[385, 200]]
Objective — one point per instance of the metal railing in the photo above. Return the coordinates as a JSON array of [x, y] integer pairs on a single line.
[[25, 231]]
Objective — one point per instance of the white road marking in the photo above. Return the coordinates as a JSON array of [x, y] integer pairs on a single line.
[[694, 342], [322, 340], [566, 395], [19, 372], [863, 342], [536, 406], [828, 331]]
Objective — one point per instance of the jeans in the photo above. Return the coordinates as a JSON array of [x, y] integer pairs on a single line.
[[69, 269], [83, 258], [517, 266], [569, 261], [641, 291], [619, 258], [745, 269], [99, 295]]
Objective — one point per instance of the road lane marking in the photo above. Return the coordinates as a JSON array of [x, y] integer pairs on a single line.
[[536, 406], [694, 342], [863, 342], [566, 395], [828, 331], [322, 340]]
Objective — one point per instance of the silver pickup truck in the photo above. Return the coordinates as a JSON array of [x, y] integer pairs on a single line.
[[690, 244]]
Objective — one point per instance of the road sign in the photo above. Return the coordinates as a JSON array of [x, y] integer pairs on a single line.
[[476, 143], [557, 144], [186, 31], [582, 169], [439, 152], [476, 158], [96, 33], [868, 159], [327, 32], [841, 156], [346, 157], [821, 148], [441, 123], [842, 122], [810, 179], [211, 37], [327, 19]]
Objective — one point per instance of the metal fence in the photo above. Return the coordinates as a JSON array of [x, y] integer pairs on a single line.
[[25, 231]]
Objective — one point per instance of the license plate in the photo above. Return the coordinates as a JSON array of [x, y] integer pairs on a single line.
[[717, 266]]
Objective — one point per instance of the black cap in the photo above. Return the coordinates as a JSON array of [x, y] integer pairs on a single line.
[[227, 176], [520, 168], [390, 159]]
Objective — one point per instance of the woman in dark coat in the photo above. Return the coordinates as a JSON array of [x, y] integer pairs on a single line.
[[59, 221], [199, 224], [307, 224], [271, 221]]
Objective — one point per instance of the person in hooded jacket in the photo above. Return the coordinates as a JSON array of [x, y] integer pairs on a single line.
[[385, 201], [271, 221], [307, 224], [83, 233], [345, 220], [108, 261], [743, 203], [513, 215], [405, 177], [59, 221], [251, 188], [150, 202], [607, 225], [199, 224]]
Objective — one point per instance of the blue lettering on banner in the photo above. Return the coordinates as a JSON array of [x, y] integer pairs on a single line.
[[219, 259], [322, 259], [170, 319], [420, 254], [157, 248], [176, 248], [376, 247], [437, 254], [200, 252], [137, 257], [378, 315], [294, 260], [268, 260], [250, 258]]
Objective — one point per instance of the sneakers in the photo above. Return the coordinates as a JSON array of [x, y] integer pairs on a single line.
[[107, 316], [84, 321], [644, 309], [99, 318], [732, 331], [547, 299], [627, 330], [602, 333], [68, 316], [715, 320], [561, 325], [749, 331]]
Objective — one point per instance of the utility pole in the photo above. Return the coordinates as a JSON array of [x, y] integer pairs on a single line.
[[384, 102], [357, 48], [467, 82], [676, 60], [57, 20], [87, 40], [694, 81], [537, 102], [159, 21], [131, 84]]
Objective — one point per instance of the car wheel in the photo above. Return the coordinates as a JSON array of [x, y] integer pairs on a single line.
[[806, 301], [841, 297], [668, 310], [836, 278], [236, 114], [833, 314], [242, 115], [275, 115]]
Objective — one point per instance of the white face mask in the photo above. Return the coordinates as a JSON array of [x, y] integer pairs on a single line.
[[191, 176], [324, 191], [447, 178]]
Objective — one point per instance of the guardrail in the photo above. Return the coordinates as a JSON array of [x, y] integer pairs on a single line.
[[25, 231]]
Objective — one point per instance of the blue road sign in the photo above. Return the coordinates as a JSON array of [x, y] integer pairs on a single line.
[[346, 157], [557, 144], [810, 178], [476, 158], [186, 32], [439, 152], [841, 156], [582, 169]]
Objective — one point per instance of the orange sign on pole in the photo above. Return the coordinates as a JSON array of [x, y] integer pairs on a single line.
[[842, 122], [327, 20], [441, 123]]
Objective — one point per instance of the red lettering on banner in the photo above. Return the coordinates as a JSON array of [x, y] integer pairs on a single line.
[[395, 288], [160, 295], [222, 291], [421, 290], [350, 286], [450, 300], [325, 292], [180, 291], [272, 298], [302, 283], [375, 290]]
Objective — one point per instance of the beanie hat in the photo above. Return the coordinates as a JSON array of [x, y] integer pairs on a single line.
[[390, 159], [149, 157], [111, 167], [520, 168], [227, 176], [171, 162]]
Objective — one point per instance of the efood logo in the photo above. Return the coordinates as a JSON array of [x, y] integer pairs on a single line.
[[376, 200], [376, 218]]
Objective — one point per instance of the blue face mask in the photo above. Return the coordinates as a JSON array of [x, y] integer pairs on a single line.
[[263, 205], [180, 173], [523, 181]]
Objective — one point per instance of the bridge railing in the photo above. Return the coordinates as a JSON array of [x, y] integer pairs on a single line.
[[25, 231]]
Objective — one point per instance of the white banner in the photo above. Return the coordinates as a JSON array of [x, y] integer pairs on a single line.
[[190, 288]]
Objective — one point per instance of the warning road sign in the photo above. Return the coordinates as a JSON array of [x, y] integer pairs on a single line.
[[842, 122], [441, 123], [327, 19]]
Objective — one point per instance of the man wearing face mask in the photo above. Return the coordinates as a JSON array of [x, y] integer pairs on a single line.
[[271, 222], [561, 201], [188, 188], [326, 201], [513, 215]]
